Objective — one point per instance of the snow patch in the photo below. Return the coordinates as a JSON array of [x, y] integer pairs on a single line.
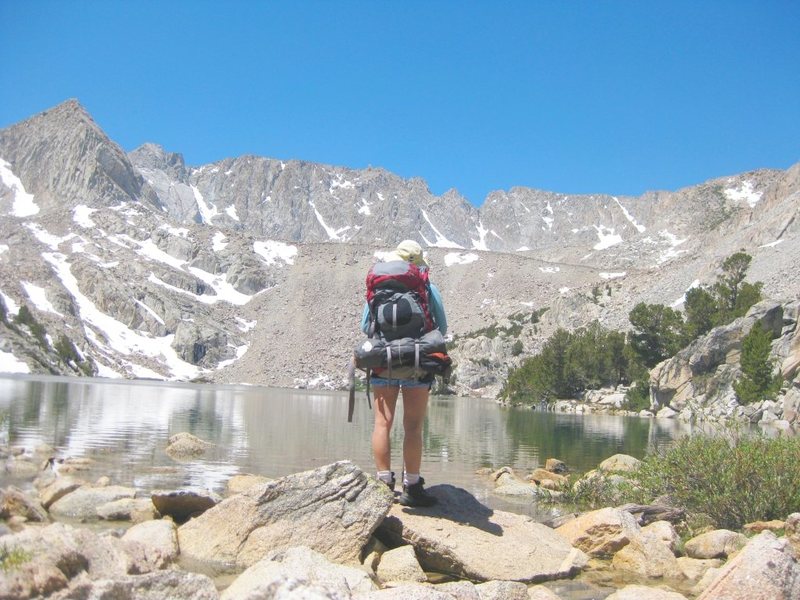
[[245, 325], [240, 352], [225, 291], [3, 248], [364, 208], [12, 308], [218, 242], [605, 275], [744, 193], [333, 234], [563, 290], [341, 182], [231, 212], [441, 241], [271, 251], [148, 249], [48, 239], [150, 311], [640, 228], [181, 232], [459, 258], [207, 211], [549, 269], [523, 249], [670, 252], [38, 296], [680, 301], [771, 244], [11, 364], [607, 237], [81, 214], [23, 204]]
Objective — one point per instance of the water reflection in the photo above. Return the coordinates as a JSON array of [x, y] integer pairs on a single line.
[[124, 427]]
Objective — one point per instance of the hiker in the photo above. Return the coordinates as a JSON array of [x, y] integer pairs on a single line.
[[415, 385]]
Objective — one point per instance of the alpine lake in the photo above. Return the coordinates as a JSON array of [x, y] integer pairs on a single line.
[[124, 426]]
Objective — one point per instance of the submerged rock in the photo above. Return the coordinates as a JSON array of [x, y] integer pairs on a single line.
[[185, 446]]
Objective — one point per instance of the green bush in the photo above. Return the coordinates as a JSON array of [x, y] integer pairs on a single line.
[[13, 558], [598, 491], [732, 480], [638, 395]]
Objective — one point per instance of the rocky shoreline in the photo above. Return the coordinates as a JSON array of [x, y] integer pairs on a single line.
[[335, 532]]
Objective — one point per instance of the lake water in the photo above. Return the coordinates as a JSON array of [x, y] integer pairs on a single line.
[[124, 426]]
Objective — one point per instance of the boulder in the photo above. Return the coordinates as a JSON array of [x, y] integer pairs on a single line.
[[14, 502], [556, 466], [305, 569], [508, 484], [620, 462], [185, 446], [407, 591], [31, 579], [128, 509], [540, 592], [694, 569], [462, 537], [601, 533], [175, 585], [643, 592], [58, 488], [152, 545], [759, 526], [69, 550], [240, 483], [542, 475], [333, 509], [720, 543], [82, 503], [463, 590], [793, 532], [664, 532], [502, 590], [649, 557], [185, 504], [766, 569], [400, 564]]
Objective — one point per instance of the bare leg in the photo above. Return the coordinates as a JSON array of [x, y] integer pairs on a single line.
[[385, 404], [415, 405]]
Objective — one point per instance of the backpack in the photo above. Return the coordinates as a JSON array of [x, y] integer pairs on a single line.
[[397, 295]]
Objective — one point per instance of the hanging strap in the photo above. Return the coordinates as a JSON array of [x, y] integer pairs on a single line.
[[369, 376]]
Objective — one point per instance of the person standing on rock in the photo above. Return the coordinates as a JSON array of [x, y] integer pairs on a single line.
[[402, 303]]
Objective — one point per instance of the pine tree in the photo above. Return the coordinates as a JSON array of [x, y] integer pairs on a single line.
[[757, 381]]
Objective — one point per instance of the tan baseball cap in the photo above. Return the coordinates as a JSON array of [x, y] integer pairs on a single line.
[[411, 251]]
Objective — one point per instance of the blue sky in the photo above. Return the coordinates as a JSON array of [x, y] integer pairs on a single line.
[[574, 97]]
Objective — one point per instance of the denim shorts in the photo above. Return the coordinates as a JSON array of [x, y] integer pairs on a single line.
[[376, 381]]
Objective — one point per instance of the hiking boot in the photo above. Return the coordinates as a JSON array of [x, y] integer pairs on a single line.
[[390, 484], [415, 495]]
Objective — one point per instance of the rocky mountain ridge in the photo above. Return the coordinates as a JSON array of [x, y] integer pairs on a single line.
[[251, 269]]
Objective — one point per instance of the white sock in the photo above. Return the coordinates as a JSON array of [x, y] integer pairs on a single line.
[[410, 478], [385, 476]]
